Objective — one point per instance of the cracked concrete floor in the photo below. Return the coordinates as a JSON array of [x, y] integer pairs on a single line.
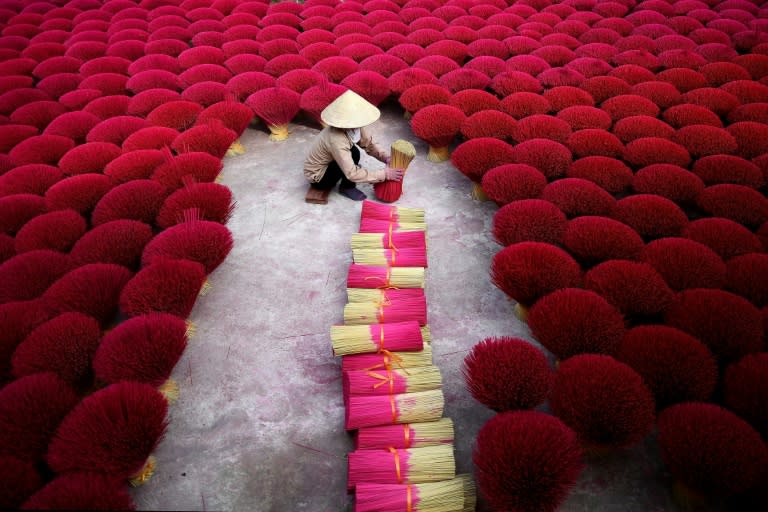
[[259, 423]]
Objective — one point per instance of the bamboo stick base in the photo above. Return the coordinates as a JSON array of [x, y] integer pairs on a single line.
[[145, 473], [278, 132], [688, 499], [170, 390], [236, 149], [191, 330], [438, 154], [478, 194], [521, 312]]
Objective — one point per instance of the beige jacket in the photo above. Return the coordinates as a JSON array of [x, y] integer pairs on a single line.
[[333, 144]]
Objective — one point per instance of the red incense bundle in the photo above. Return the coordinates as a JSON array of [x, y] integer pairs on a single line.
[[405, 257], [392, 311], [393, 466], [375, 410], [402, 153], [368, 225], [389, 240], [376, 295], [360, 339], [368, 276], [391, 381], [456, 495], [383, 360], [413, 435]]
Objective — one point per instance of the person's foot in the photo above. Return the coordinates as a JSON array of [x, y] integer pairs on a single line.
[[352, 193]]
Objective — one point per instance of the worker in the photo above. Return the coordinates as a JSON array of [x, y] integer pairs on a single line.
[[335, 155]]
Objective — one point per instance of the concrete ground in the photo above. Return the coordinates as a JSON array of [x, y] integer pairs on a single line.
[[259, 423]]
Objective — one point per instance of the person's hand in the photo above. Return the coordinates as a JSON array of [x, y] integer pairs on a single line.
[[387, 159], [393, 174]]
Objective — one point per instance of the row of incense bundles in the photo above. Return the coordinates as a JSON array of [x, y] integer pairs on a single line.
[[404, 459]]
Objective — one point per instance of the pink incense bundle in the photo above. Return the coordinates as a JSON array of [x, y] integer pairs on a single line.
[[393, 466], [393, 311], [412, 435], [456, 495], [368, 225], [391, 381], [389, 240], [405, 257], [368, 276], [374, 210], [375, 295], [361, 339], [375, 410], [378, 361]]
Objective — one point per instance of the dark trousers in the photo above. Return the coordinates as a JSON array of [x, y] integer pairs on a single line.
[[333, 174]]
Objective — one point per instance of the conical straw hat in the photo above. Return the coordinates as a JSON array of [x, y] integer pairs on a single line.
[[350, 110]]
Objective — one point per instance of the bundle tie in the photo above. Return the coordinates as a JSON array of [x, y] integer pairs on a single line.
[[390, 243], [384, 303], [408, 499], [407, 435], [381, 338], [387, 362], [386, 285], [389, 378], [394, 452]]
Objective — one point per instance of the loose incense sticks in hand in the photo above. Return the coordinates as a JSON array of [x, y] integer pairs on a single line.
[[447, 496], [373, 210], [405, 257], [374, 410], [403, 310], [393, 466], [378, 296], [360, 339], [386, 240], [391, 381], [379, 361], [368, 276], [402, 153], [412, 435]]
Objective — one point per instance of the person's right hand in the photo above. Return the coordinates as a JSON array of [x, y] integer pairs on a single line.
[[393, 174]]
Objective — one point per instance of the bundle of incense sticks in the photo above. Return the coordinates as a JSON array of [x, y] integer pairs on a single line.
[[405, 257], [392, 311], [402, 153], [388, 240], [368, 276], [386, 359], [391, 381], [375, 410], [373, 210], [411, 435], [386, 226], [456, 495], [409, 466], [380, 295], [361, 339]]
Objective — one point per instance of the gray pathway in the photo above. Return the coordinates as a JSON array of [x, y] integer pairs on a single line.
[[259, 424]]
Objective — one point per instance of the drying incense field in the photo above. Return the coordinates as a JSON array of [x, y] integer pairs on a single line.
[[592, 176]]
